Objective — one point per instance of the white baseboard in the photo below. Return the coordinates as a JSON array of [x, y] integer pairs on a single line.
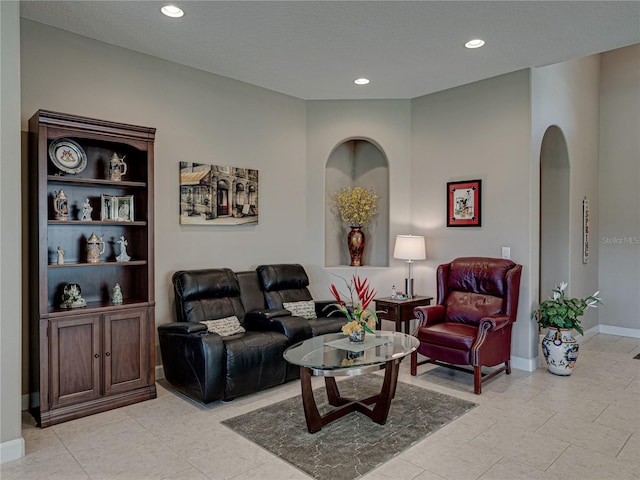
[[526, 364], [593, 331], [159, 372], [620, 331], [11, 450]]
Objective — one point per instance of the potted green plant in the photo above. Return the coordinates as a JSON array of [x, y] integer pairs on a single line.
[[357, 206], [561, 314]]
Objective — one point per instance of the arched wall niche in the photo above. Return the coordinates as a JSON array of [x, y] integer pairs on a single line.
[[357, 162], [554, 210]]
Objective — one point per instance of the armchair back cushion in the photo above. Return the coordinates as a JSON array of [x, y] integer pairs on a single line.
[[472, 288], [287, 283], [207, 295], [284, 283]]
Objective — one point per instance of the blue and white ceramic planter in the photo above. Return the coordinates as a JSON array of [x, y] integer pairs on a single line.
[[560, 350], [357, 336]]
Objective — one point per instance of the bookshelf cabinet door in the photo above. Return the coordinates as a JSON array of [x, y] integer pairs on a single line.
[[126, 354], [75, 359]]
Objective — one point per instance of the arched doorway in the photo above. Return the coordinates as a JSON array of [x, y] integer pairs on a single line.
[[554, 211]]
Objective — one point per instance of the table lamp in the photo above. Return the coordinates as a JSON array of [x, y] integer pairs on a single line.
[[409, 248]]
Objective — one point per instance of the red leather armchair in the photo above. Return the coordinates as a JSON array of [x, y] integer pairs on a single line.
[[471, 322]]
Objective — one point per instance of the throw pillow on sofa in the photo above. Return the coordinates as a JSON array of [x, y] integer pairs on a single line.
[[306, 309], [224, 327]]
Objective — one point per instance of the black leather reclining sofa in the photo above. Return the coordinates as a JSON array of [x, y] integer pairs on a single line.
[[206, 366]]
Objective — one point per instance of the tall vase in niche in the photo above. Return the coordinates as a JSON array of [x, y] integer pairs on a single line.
[[355, 240]]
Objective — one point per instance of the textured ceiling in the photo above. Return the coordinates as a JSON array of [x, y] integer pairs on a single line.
[[315, 49]]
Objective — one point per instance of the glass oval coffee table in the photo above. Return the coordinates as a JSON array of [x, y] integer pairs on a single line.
[[332, 355]]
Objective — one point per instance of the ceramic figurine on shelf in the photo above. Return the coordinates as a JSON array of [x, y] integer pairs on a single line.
[[60, 256], [117, 167], [60, 205], [117, 295], [71, 297], [86, 210], [123, 257], [95, 248]]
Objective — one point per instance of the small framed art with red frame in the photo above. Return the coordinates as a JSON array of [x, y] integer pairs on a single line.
[[464, 203]]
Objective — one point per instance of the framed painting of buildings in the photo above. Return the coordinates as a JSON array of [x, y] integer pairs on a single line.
[[217, 195]]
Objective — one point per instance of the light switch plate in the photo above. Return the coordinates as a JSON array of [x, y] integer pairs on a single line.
[[506, 253]]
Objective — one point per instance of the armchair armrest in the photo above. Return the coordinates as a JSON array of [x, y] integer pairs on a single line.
[[294, 328], [493, 322], [429, 315]]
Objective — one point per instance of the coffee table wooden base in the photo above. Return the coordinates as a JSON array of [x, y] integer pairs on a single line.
[[378, 413]]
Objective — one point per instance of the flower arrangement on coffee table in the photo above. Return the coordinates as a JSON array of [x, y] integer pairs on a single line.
[[360, 317]]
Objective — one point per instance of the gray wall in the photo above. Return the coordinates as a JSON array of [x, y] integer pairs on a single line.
[[477, 131], [619, 174], [566, 96], [386, 123], [11, 443], [199, 117]]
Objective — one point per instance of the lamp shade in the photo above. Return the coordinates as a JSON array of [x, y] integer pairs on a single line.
[[410, 247]]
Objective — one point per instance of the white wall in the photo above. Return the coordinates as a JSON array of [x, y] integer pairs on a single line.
[[619, 174], [199, 117], [477, 131], [566, 95], [11, 442]]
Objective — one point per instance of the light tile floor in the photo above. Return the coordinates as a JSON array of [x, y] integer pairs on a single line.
[[527, 426]]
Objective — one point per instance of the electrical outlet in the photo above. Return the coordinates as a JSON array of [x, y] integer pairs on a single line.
[[506, 253]]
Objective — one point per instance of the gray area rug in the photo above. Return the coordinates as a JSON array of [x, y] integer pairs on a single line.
[[352, 445]]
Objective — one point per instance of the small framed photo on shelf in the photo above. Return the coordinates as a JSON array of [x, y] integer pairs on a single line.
[[123, 209], [463, 203], [107, 203]]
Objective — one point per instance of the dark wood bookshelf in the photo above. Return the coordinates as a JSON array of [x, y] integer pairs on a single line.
[[100, 356]]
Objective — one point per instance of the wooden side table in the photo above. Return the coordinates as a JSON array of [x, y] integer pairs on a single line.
[[399, 311]]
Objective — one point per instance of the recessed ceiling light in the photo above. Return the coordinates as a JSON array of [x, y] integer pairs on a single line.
[[172, 11], [361, 81], [476, 43]]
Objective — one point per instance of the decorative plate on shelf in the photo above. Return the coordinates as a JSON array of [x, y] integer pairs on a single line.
[[67, 155]]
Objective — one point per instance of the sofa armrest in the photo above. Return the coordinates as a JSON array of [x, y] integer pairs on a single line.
[[268, 313], [193, 360], [294, 328], [182, 327]]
